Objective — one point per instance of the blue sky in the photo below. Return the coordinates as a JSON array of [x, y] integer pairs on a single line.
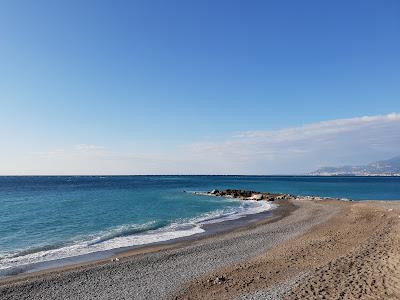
[[132, 87]]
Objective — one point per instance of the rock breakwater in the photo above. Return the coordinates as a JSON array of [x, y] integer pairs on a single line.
[[248, 195]]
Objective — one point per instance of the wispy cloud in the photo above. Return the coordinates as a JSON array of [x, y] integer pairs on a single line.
[[302, 148], [322, 128], [95, 159], [77, 150], [88, 147], [283, 151]]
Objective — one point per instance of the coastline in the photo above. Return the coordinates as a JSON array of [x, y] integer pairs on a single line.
[[211, 229], [206, 252], [205, 226], [255, 261]]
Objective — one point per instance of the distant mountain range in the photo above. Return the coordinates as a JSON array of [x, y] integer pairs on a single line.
[[390, 167]]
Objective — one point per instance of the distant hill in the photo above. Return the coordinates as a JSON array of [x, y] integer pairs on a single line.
[[390, 167]]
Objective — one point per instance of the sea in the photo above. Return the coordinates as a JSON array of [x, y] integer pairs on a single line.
[[48, 219]]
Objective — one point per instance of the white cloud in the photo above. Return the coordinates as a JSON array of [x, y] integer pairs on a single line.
[[77, 150], [88, 159], [87, 147], [283, 151], [321, 128], [300, 149]]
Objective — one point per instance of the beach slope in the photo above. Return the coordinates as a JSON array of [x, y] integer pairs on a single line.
[[307, 249], [354, 255]]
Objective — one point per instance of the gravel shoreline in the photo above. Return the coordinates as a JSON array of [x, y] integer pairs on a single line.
[[161, 274]]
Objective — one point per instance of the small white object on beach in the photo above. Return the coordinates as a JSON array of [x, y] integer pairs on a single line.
[[256, 197], [115, 259], [219, 280]]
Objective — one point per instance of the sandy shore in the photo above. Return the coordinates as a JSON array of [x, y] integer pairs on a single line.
[[354, 255], [308, 249]]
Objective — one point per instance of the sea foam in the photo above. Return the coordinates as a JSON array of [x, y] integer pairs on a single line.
[[131, 235]]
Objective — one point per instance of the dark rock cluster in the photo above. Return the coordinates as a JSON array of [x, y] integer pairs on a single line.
[[249, 195]]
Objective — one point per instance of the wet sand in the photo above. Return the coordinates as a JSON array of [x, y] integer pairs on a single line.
[[308, 249]]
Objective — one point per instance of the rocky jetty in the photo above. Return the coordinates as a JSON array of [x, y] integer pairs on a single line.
[[248, 195]]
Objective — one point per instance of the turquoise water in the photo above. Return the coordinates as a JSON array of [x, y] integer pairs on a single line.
[[47, 218]]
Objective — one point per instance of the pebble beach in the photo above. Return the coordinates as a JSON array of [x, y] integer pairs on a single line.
[[307, 249]]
